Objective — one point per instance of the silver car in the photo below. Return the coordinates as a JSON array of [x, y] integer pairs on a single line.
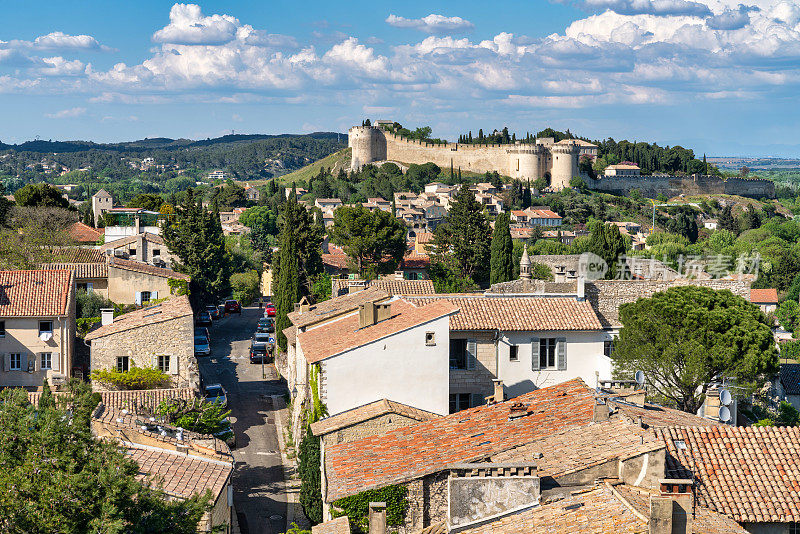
[[201, 346]]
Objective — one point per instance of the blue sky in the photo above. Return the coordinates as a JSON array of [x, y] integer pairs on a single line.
[[717, 76]]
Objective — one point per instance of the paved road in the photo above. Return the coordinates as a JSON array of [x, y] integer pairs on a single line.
[[258, 496]]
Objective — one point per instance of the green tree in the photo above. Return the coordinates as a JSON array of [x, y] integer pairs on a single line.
[[246, 286], [685, 225], [146, 201], [463, 241], [195, 236], [38, 195], [726, 221], [606, 241], [687, 337], [502, 250], [57, 477], [287, 268], [263, 224], [308, 467], [374, 240]]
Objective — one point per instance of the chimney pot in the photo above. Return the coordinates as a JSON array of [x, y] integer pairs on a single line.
[[106, 316], [377, 518], [499, 392]]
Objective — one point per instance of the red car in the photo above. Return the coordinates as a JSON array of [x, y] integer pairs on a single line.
[[269, 310], [233, 306]]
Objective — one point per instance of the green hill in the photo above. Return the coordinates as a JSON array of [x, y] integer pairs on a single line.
[[337, 160]]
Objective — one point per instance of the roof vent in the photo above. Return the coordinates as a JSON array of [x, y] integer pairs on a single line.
[[517, 410]]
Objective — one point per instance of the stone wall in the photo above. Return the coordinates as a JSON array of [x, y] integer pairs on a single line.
[[370, 427], [606, 296], [124, 284], [478, 380], [174, 337], [427, 502]]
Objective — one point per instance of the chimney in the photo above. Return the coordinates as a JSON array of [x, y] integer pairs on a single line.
[[517, 410], [107, 316], [366, 314], [600, 411], [382, 312], [377, 518], [581, 288], [499, 392], [672, 511]]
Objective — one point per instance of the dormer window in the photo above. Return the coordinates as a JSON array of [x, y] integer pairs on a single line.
[[45, 327]]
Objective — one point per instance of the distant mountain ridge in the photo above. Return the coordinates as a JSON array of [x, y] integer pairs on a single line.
[[156, 143]]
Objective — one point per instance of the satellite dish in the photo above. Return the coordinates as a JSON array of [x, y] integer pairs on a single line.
[[724, 414], [725, 397], [639, 377]]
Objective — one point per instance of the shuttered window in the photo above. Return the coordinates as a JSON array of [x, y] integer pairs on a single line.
[[46, 360], [15, 361], [122, 364], [552, 353]]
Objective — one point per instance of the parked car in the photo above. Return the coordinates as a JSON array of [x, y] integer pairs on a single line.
[[227, 435], [266, 325], [216, 393], [269, 310], [214, 312], [260, 347], [202, 331], [203, 319], [201, 345], [233, 306]]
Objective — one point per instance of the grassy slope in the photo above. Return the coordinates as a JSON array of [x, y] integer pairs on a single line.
[[337, 160]]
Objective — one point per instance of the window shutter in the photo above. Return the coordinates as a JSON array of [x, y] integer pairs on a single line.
[[37, 362], [138, 298], [6, 362], [56, 361], [154, 295], [478, 400], [154, 361], [24, 361], [472, 353], [173, 365], [534, 354], [561, 353]]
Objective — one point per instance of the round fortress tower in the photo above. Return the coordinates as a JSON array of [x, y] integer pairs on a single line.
[[527, 161], [368, 144], [565, 164]]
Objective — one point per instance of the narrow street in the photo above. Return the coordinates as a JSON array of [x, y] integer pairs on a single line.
[[259, 496]]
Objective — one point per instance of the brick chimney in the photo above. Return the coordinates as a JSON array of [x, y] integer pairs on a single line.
[[672, 511], [377, 518], [106, 316], [499, 393]]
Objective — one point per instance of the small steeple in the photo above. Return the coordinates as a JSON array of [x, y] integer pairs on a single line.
[[525, 265]]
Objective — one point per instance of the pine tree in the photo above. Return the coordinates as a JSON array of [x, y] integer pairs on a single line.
[[288, 285], [727, 221], [526, 196], [464, 240], [502, 261], [195, 236]]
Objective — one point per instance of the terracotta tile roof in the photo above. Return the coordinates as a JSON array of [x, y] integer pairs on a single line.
[[764, 296], [146, 268], [77, 255], [412, 260], [369, 411], [538, 313], [181, 475], [81, 270], [150, 237], [790, 378], [521, 233], [424, 237], [581, 447], [35, 293], [340, 525], [335, 260], [171, 308], [131, 399], [83, 233], [392, 287], [345, 334], [750, 474], [335, 306], [655, 416], [467, 436]]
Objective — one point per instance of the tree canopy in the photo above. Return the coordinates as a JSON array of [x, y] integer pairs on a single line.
[[57, 477], [375, 241], [502, 251], [40, 195], [606, 241], [687, 337]]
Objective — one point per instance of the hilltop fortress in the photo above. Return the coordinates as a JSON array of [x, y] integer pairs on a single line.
[[555, 162]]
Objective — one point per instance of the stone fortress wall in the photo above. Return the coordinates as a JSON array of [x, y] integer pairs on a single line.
[[558, 162]]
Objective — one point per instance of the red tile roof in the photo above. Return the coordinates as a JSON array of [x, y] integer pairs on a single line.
[[764, 296], [539, 313], [751, 474], [390, 286], [131, 399], [77, 255], [83, 233], [367, 412], [467, 436], [336, 306], [147, 236], [181, 475], [424, 237], [81, 270], [171, 308], [345, 334], [35, 293], [146, 268]]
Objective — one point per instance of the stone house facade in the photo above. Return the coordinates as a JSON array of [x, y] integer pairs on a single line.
[[133, 282], [160, 336], [37, 327]]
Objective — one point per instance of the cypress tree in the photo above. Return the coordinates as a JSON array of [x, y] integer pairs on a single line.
[[526, 196], [288, 286], [502, 262]]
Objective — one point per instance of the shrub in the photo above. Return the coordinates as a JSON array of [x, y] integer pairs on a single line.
[[245, 286], [84, 324], [196, 415], [308, 467], [356, 507], [89, 304], [135, 378]]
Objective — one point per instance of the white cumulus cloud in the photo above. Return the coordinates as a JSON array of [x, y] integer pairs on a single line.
[[433, 23], [70, 113], [61, 40], [188, 25]]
